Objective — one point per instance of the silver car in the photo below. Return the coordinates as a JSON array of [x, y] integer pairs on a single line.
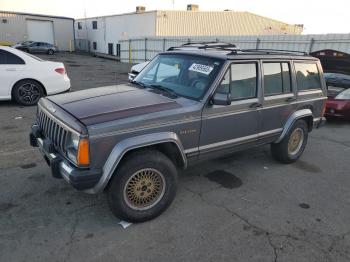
[[38, 47]]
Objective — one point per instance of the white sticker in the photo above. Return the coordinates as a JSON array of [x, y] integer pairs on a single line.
[[204, 69]]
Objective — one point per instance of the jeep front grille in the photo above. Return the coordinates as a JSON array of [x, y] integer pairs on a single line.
[[52, 130]]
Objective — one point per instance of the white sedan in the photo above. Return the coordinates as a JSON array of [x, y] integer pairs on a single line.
[[25, 78]]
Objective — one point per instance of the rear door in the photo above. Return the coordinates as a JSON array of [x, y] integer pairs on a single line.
[[226, 127], [11, 67], [279, 97]]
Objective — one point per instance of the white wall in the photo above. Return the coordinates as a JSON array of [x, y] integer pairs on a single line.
[[111, 29]]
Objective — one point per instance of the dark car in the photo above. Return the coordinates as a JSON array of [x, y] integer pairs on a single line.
[[39, 47], [338, 103], [189, 104]]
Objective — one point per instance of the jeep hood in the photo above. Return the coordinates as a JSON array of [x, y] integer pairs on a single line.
[[98, 105]]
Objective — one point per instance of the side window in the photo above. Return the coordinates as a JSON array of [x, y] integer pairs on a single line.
[[243, 81], [307, 76], [80, 26], [94, 45], [7, 58], [277, 79]]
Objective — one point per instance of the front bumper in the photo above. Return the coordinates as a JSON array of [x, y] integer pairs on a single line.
[[79, 178]]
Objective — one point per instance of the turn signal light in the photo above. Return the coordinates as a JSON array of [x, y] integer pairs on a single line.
[[83, 157]]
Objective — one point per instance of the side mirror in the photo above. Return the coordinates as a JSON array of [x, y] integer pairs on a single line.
[[132, 76], [221, 99]]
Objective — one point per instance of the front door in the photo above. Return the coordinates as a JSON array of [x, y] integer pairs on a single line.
[[224, 128]]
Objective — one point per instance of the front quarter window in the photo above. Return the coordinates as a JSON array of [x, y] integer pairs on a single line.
[[188, 76]]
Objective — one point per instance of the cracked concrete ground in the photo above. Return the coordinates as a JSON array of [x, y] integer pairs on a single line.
[[244, 207]]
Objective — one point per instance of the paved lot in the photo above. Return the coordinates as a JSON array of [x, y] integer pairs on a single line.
[[245, 207]]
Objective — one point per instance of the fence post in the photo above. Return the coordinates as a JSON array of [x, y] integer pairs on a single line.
[[311, 45], [145, 48], [257, 43], [130, 52]]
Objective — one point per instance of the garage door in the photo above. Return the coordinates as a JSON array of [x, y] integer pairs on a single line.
[[40, 31]]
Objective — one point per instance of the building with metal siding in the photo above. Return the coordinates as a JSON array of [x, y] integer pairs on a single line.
[[112, 29], [16, 27]]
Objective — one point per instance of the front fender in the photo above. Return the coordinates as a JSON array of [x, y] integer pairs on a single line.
[[133, 143], [292, 119]]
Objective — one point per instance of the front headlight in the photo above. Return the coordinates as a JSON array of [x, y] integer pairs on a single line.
[[77, 149], [344, 95]]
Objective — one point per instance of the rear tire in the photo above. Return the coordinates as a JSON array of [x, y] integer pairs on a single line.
[[50, 52], [143, 187], [27, 92], [293, 144]]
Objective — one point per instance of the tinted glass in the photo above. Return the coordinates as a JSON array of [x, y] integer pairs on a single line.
[[243, 81], [276, 78], [186, 75], [307, 76], [7, 58]]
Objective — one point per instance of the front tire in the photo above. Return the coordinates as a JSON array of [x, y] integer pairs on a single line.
[[293, 144], [50, 52], [143, 187], [27, 92]]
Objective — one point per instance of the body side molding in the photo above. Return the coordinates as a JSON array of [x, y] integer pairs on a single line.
[[126, 145]]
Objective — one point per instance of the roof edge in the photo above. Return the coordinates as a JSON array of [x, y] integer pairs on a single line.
[[32, 14]]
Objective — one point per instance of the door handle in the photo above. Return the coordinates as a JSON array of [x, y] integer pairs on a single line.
[[290, 99], [11, 69], [255, 105]]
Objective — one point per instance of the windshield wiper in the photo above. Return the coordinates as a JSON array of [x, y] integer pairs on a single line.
[[165, 89], [139, 84]]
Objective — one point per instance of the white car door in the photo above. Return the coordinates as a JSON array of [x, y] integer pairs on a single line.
[[11, 67]]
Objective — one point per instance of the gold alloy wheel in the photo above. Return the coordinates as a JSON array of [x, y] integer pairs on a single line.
[[296, 140], [144, 189]]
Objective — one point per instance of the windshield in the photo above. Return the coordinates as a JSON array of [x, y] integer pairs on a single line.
[[185, 75]]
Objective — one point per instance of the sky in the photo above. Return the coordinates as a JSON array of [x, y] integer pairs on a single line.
[[318, 17]]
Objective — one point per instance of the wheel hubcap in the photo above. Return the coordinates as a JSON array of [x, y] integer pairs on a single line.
[[144, 189], [295, 141], [29, 93]]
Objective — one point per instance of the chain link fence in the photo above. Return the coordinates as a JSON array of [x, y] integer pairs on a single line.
[[143, 49]]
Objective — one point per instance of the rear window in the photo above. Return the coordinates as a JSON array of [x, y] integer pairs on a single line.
[[307, 75]]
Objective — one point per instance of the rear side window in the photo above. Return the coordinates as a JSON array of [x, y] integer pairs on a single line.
[[307, 75], [277, 79], [7, 58]]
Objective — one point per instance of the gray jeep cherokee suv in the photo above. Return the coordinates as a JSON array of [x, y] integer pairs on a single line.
[[191, 103]]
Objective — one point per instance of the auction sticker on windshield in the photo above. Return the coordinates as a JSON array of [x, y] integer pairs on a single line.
[[204, 69]]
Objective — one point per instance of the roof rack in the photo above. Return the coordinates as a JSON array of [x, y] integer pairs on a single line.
[[273, 51], [206, 45], [234, 49]]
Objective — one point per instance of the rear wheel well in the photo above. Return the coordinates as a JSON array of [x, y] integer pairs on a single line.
[[309, 121], [42, 86]]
